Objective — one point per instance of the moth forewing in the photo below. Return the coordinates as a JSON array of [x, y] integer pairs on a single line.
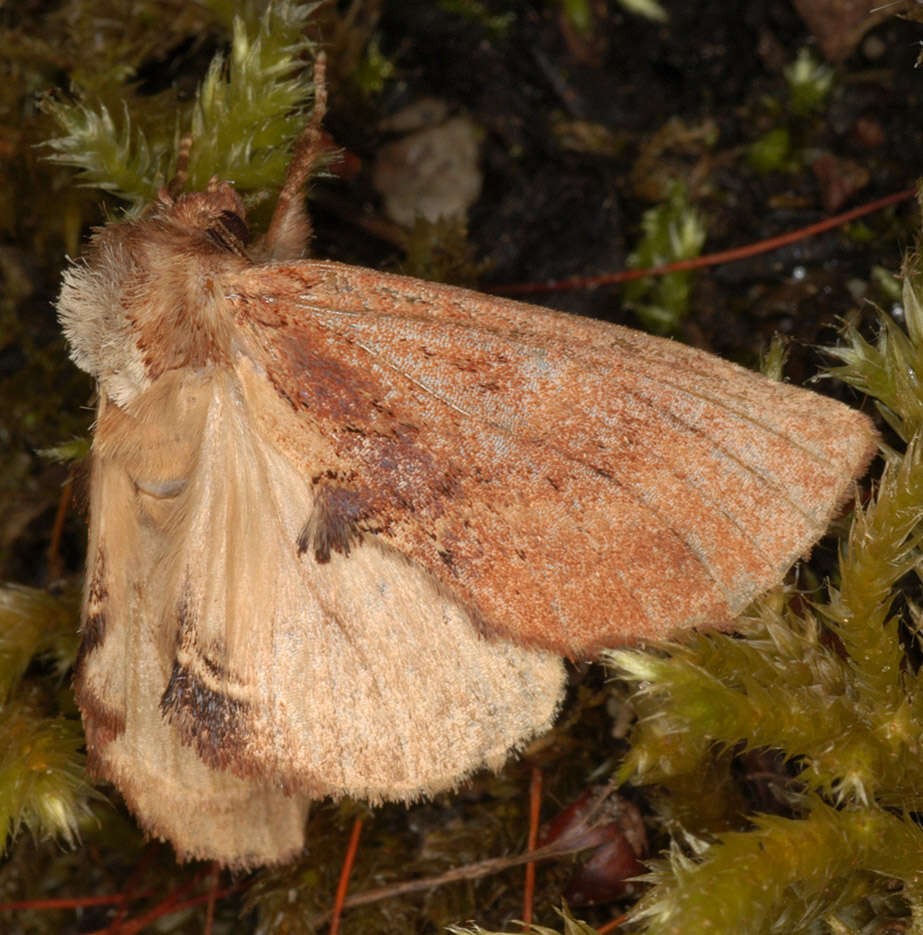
[[576, 484]]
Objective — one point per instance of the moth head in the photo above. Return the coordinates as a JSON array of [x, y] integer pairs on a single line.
[[217, 214], [147, 298]]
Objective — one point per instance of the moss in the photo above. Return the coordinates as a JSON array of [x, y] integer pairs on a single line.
[[835, 688], [672, 230]]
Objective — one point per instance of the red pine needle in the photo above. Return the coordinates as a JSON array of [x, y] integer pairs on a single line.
[[710, 259], [345, 871], [212, 893], [535, 804], [138, 873], [71, 902], [613, 925], [54, 547], [170, 904]]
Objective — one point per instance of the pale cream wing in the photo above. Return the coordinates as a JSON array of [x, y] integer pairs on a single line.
[[358, 676], [127, 653]]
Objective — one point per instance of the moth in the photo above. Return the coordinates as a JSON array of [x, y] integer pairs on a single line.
[[344, 525]]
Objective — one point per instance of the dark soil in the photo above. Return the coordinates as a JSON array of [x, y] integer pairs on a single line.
[[549, 212]]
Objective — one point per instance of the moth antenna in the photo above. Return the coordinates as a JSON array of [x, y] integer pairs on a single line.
[[290, 228], [181, 174]]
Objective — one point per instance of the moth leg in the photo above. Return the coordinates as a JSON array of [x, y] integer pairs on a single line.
[[290, 228]]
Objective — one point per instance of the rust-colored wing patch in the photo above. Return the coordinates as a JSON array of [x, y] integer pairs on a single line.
[[575, 483]]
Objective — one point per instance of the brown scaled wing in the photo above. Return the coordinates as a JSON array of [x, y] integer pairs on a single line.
[[576, 484]]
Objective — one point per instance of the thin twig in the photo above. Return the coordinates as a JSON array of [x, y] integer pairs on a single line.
[[569, 844]]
